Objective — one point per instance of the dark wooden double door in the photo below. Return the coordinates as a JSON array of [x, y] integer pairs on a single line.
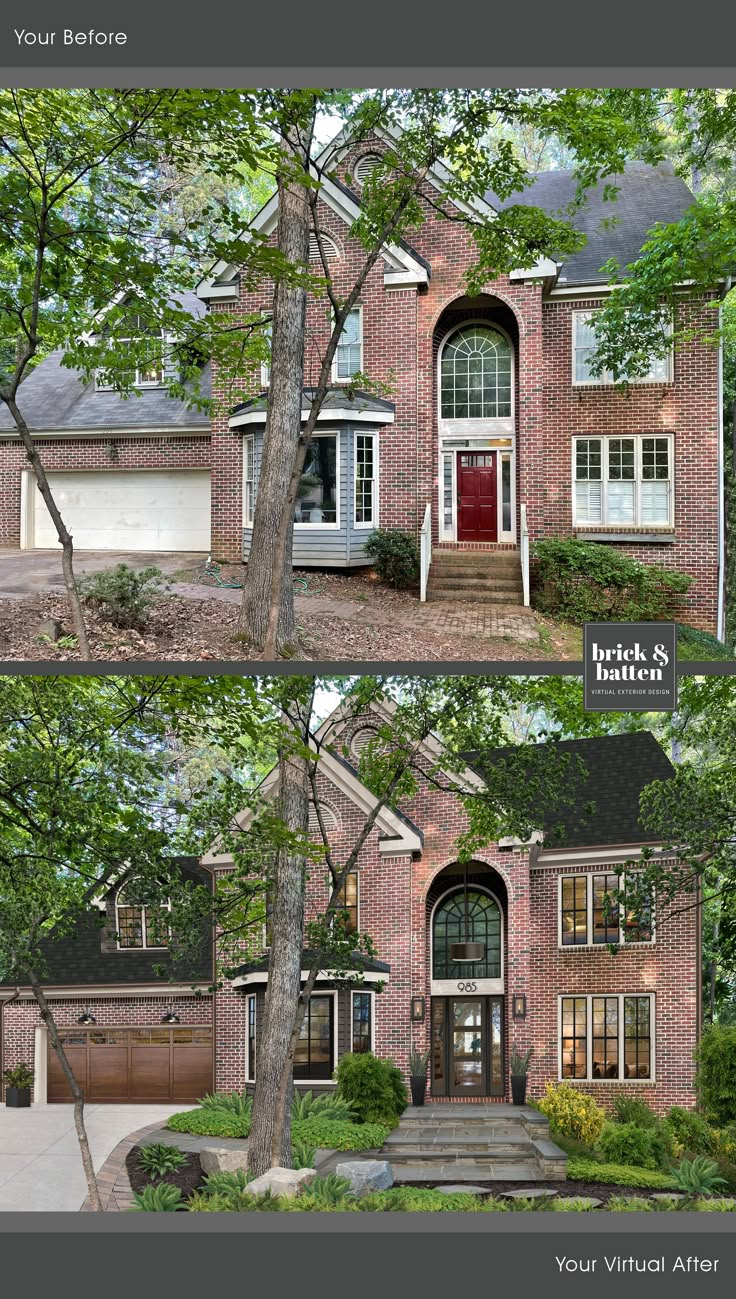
[[157, 1064], [477, 496], [467, 1046]]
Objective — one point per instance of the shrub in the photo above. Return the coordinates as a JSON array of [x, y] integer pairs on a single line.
[[159, 1159], [209, 1123], [584, 581], [374, 1089], [239, 1103], [321, 1107], [20, 1077], [396, 556], [688, 1132], [630, 1109], [335, 1134], [226, 1183], [158, 1199], [421, 1199], [627, 1143], [698, 1176], [715, 1080], [573, 1113], [124, 595], [587, 1170]]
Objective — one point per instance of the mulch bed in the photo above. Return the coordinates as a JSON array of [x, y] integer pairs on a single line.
[[187, 1178]]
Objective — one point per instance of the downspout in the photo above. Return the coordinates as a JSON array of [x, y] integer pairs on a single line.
[[721, 623]]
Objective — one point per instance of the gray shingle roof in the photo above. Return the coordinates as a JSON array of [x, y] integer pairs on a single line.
[[335, 399], [53, 397], [646, 195]]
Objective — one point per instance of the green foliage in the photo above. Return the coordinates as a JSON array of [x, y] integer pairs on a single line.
[[325, 1106], [418, 1061], [209, 1123], [302, 1154], [715, 1080], [159, 1159], [395, 555], [124, 595], [698, 1176], [326, 1192], [572, 1112], [374, 1089], [587, 1170], [712, 1205], [163, 1198], [420, 1199], [627, 1143], [335, 1134], [632, 1204], [688, 1132], [21, 1076], [585, 581], [631, 1109], [237, 1103], [696, 646], [227, 1183], [520, 1060]]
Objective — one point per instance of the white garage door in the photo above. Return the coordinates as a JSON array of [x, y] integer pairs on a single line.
[[138, 509]]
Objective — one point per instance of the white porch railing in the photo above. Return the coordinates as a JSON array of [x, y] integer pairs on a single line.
[[525, 555], [425, 552]]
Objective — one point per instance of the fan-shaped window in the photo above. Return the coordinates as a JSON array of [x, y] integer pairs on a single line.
[[364, 166], [475, 374], [329, 246], [484, 926], [140, 926]]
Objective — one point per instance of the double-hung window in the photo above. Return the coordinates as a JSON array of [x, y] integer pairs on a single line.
[[607, 1037], [584, 344], [623, 481], [591, 912], [349, 353]]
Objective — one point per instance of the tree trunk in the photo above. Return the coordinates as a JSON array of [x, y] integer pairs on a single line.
[[48, 1019], [269, 1143], [80, 629], [283, 420]]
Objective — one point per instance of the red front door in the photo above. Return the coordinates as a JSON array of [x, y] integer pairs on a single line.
[[476, 497]]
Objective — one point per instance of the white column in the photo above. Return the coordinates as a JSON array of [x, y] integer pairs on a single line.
[[40, 1065]]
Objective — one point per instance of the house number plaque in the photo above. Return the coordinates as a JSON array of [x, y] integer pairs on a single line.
[[467, 987]]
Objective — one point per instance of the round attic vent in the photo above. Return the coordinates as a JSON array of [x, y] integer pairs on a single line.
[[361, 739], [364, 166]]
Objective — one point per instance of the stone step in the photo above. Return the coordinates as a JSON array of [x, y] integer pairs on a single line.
[[451, 1155], [472, 1173], [443, 556], [483, 582], [499, 598], [462, 1138], [487, 563]]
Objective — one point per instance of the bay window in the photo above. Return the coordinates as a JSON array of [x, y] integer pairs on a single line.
[[584, 343], [623, 481], [607, 1037], [317, 498]]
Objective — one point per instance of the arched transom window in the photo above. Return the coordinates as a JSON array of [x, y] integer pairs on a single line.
[[475, 374], [484, 926], [140, 926]]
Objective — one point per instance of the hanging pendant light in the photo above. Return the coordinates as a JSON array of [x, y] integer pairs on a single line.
[[467, 951]]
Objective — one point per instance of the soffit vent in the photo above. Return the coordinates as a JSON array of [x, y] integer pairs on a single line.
[[364, 166]]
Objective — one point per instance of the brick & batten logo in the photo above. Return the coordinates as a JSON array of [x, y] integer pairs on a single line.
[[630, 667]]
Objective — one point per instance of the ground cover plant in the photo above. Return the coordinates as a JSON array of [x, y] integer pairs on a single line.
[[584, 581]]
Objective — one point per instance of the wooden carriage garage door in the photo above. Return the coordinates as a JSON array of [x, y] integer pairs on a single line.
[[134, 1064], [127, 509]]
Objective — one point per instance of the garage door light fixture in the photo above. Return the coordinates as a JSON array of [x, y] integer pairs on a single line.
[[170, 1016], [86, 1017]]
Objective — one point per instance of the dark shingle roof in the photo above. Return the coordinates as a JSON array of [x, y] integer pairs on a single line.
[[53, 397], [646, 195], [608, 774], [335, 399]]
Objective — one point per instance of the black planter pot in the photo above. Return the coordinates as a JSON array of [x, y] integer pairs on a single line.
[[418, 1089], [18, 1098], [518, 1088]]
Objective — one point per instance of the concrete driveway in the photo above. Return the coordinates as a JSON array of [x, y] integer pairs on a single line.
[[40, 1164], [29, 572]]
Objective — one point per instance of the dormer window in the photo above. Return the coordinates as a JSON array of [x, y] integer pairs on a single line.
[[140, 926], [152, 356]]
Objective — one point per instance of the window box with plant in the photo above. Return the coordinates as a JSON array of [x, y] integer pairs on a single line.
[[18, 1083], [520, 1073]]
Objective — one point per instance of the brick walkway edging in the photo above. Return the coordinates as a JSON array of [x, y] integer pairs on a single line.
[[113, 1182]]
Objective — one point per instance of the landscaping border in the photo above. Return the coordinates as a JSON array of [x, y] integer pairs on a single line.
[[112, 1180]]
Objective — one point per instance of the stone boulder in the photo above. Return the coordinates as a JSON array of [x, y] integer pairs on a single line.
[[283, 1181], [366, 1175], [218, 1160]]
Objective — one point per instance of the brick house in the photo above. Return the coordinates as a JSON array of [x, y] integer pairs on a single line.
[[549, 978], [493, 430]]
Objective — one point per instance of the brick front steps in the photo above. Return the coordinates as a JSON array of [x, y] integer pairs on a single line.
[[477, 577], [488, 1143]]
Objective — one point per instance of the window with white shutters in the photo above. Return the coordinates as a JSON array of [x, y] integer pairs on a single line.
[[623, 481]]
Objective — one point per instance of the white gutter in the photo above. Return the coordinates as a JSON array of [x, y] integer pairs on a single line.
[[721, 623]]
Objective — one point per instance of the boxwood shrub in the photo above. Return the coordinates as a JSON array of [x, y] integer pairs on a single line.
[[630, 1144], [586, 581], [316, 1133], [395, 555]]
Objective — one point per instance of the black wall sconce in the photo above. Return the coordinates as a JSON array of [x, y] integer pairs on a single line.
[[519, 1010], [86, 1017], [170, 1016], [417, 1010]]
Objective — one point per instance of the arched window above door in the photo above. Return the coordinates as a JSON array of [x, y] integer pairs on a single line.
[[476, 374], [484, 926]]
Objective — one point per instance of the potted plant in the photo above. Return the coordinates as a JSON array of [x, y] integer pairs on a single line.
[[18, 1087], [418, 1061], [519, 1072]]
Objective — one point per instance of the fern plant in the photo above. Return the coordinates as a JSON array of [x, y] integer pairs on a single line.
[[239, 1103], [159, 1159], [321, 1107], [302, 1154], [163, 1198], [327, 1192], [226, 1183], [698, 1176]]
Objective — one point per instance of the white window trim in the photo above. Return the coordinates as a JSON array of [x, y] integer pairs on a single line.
[[449, 987], [322, 1082], [266, 365], [143, 384], [145, 946], [589, 946], [500, 425], [637, 438], [349, 379], [606, 379], [608, 1082], [328, 527], [372, 995], [374, 523], [251, 996], [249, 439]]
